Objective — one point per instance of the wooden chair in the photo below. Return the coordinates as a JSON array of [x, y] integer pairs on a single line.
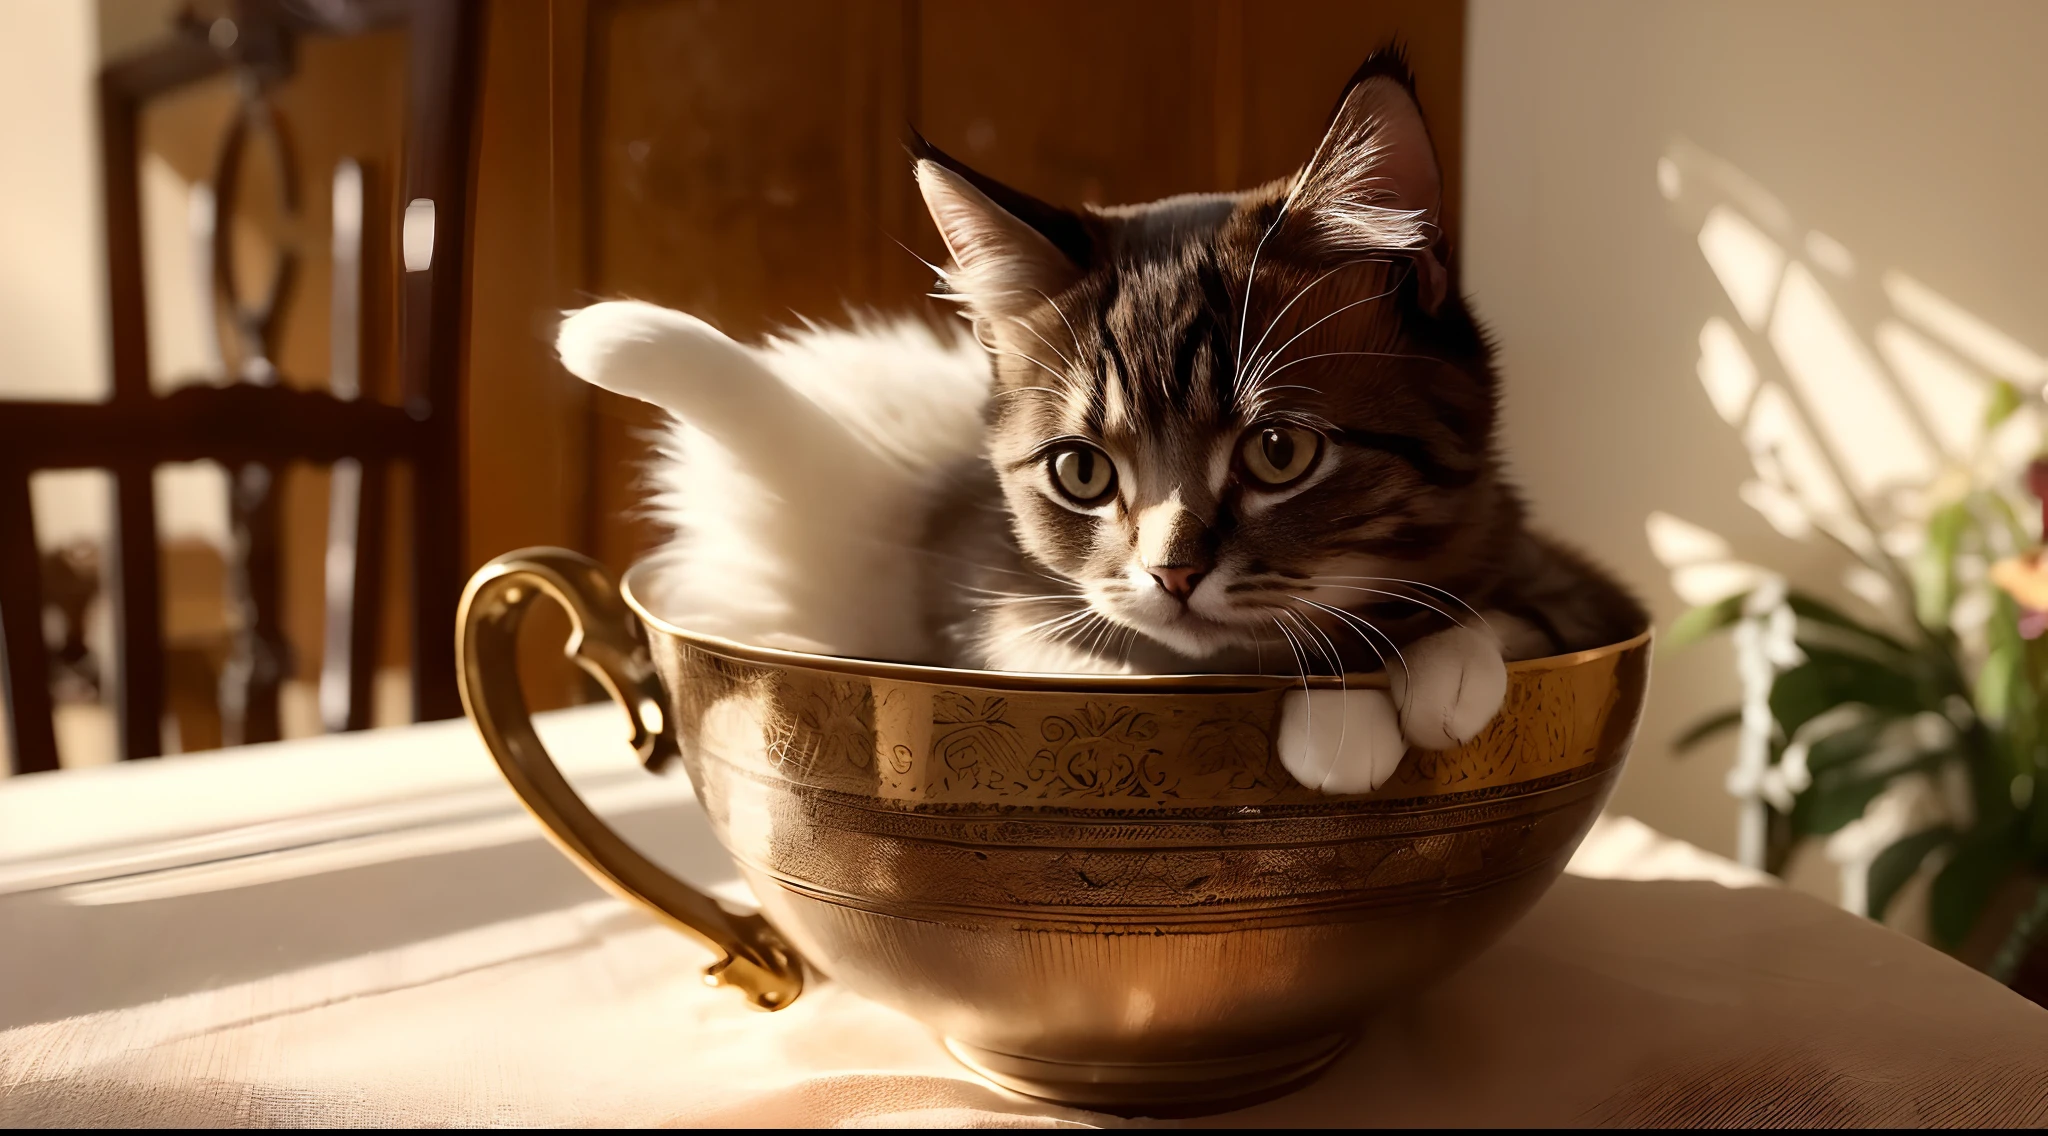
[[256, 424]]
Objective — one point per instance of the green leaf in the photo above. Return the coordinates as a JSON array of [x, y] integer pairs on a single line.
[[1997, 682], [1934, 569], [1846, 780], [1833, 802], [1703, 621], [2037, 820], [1809, 608], [1707, 727], [2005, 398], [1897, 864], [2027, 930], [1983, 860], [1847, 744], [2035, 653], [2001, 511], [1829, 678]]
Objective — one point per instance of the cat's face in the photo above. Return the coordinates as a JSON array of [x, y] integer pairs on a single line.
[[1226, 421]]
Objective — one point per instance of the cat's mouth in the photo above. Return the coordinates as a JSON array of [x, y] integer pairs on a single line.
[[1188, 628]]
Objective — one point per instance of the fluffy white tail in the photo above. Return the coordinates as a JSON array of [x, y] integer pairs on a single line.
[[797, 476]]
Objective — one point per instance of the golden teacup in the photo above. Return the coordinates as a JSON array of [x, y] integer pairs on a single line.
[[1104, 891]]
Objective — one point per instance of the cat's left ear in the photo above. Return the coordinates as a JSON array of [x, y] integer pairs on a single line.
[[1373, 186]]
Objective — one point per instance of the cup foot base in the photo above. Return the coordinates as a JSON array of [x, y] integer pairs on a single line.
[[1163, 1089]]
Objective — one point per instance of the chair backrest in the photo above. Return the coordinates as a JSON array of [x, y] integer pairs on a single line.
[[255, 424]]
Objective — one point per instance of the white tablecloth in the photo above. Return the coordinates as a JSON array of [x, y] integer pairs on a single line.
[[365, 931]]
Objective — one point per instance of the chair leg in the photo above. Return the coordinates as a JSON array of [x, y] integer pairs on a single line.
[[260, 658], [355, 567], [133, 586], [192, 696], [24, 659]]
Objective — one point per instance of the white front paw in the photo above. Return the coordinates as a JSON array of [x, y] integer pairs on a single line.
[[1452, 687], [1340, 741]]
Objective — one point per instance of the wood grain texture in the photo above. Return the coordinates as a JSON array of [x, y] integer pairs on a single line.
[[745, 163]]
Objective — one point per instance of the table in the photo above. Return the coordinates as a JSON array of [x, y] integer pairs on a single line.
[[366, 930]]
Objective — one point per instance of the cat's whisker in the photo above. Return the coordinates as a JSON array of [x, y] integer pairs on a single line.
[[1102, 634], [1301, 664], [980, 338], [1083, 629], [1088, 636], [972, 562], [1405, 598], [936, 270], [1361, 624], [1247, 378], [1279, 215], [1337, 664], [1282, 313], [1054, 620], [1337, 354], [1307, 658], [1055, 623], [1062, 630], [966, 587], [1251, 277], [1042, 339], [1130, 641], [1031, 359], [1335, 656], [1324, 633], [1321, 641], [1287, 387], [1444, 592], [1067, 591], [1073, 336], [1358, 625], [1276, 353], [1012, 601]]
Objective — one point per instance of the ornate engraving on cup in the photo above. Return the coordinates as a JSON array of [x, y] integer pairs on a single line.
[[926, 743]]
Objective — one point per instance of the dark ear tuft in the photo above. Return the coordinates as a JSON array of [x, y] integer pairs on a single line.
[[1010, 251], [1388, 61], [1062, 228], [1373, 186]]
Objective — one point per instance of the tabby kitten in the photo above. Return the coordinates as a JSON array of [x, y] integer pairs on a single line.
[[1220, 432], [1250, 431]]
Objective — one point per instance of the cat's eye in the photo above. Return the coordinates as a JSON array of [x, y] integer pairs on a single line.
[[1280, 455], [1084, 474]]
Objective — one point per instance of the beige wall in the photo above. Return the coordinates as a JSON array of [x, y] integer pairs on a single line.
[[1912, 136], [52, 337]]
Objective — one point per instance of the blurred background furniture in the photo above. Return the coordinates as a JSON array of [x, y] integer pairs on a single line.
[[382, 420], [741, 161]]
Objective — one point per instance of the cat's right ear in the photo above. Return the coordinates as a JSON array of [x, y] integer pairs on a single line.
[[1010, 251]]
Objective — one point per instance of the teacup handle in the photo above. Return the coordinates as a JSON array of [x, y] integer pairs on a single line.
[[609, 643]]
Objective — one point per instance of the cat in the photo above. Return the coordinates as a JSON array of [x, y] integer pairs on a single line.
[[1248, 432]]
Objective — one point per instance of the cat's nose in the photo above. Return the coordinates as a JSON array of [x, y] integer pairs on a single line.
[[1179, 582]]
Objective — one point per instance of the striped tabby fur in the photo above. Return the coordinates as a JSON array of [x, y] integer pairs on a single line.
[[1161, 338]]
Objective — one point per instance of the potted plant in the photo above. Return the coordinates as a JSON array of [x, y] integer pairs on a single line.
[[1933, 713]]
